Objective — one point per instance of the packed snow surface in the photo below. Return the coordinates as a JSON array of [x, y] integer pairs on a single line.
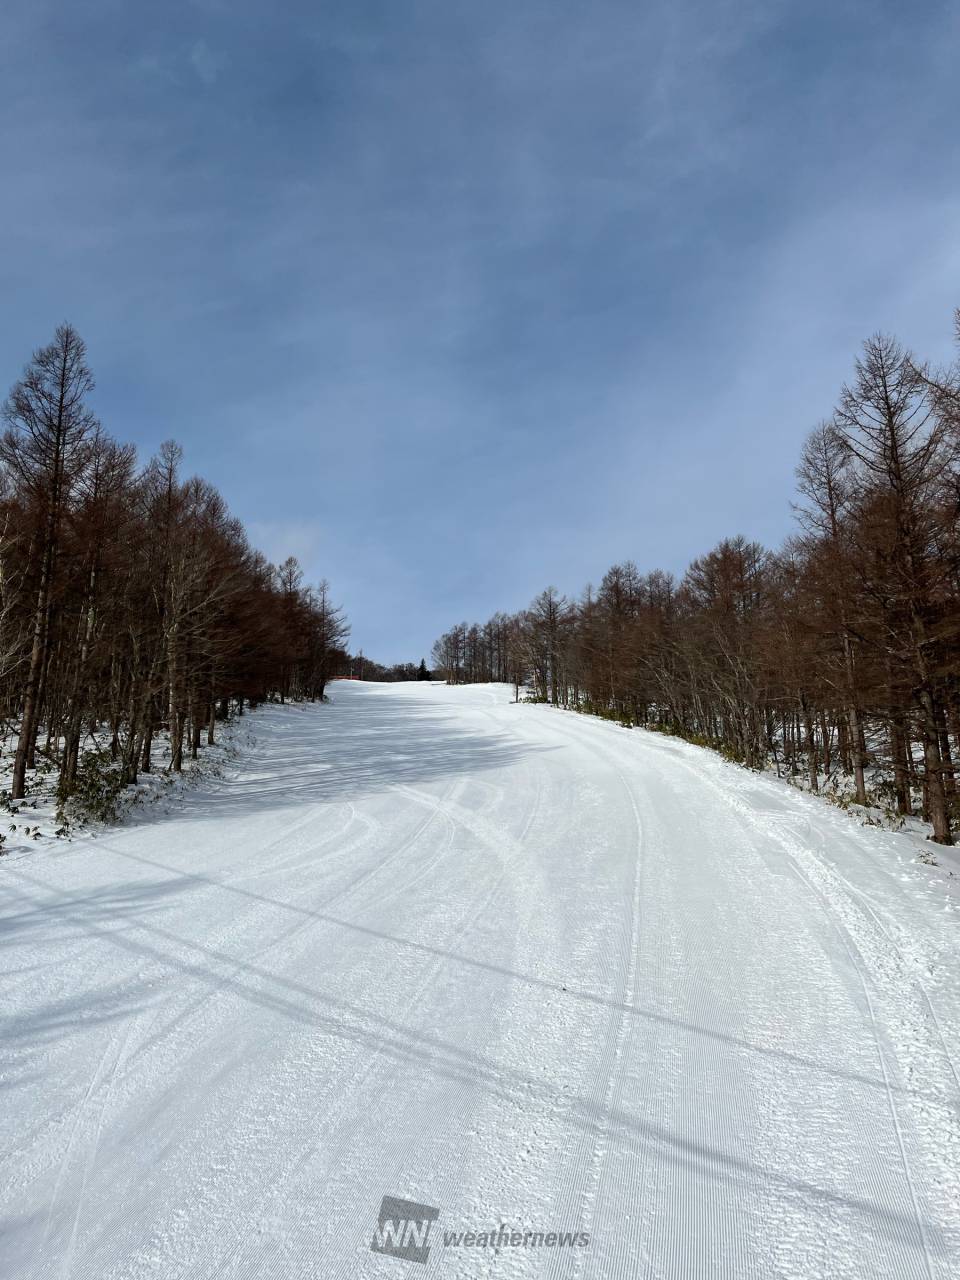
[[527, 968]]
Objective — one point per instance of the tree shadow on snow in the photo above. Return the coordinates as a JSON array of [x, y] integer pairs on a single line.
[[328, 1014], [315, 755]]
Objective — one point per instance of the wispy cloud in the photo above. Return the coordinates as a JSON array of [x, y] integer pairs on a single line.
[[278, 539], [455, 300], [205, 62]]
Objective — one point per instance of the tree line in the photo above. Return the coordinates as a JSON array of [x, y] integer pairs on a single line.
[[838, 652], [131, 602], [360, 667]]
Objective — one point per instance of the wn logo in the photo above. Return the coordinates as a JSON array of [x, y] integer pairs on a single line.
[[403, 1229]]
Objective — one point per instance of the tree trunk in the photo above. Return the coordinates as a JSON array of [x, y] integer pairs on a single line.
[[901, 770], [811, 743], [933, 771], [28, 726], [176, 740]]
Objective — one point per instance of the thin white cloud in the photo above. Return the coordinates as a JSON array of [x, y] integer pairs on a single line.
[[206, 62], [278, 539]]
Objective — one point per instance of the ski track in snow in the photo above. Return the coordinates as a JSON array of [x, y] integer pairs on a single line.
[[521, 965]]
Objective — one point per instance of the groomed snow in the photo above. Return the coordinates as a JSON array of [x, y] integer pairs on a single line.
[[522, 966]]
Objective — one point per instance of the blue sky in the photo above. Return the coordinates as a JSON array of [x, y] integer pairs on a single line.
[[452, 300]]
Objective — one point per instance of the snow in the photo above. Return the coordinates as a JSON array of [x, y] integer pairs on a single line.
[[523, 966], [38, 817]]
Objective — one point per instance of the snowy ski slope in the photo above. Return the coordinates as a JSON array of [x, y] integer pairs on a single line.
[[521, 966]]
